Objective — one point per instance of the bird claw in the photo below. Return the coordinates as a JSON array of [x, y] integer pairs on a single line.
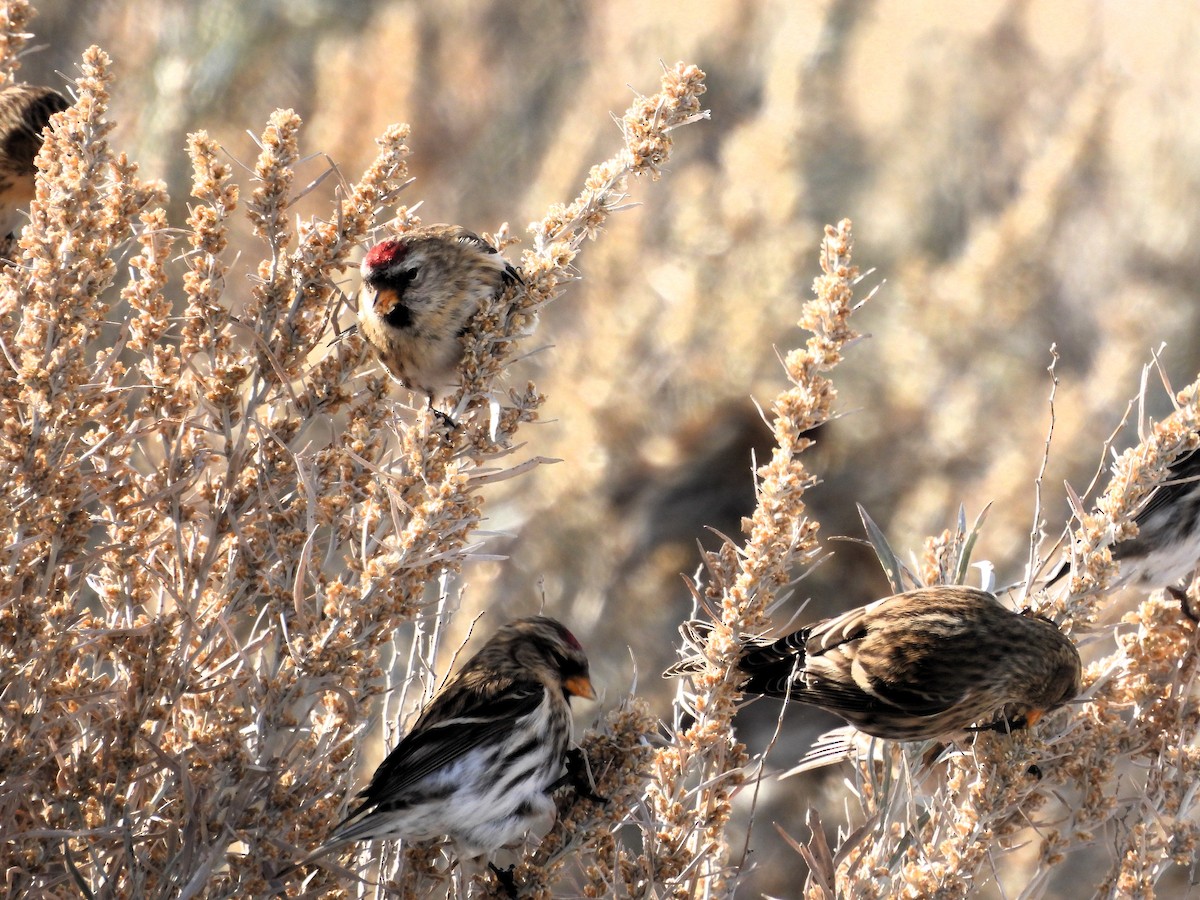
[[578, 776], [1029, 613], [505, 878], [1185, 603], [445, 421], [1002, 725], [447, 424]]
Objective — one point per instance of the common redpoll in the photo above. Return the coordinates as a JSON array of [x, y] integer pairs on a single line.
[[1166, 548], [483, 757], [25, 110], [922, 664], [419, 293]]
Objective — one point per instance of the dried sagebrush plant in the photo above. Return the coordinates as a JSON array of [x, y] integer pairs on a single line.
[[1114, 768], [214, 524], [696, 774]]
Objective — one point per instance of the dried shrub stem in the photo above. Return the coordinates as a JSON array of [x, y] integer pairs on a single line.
[[696, 775]]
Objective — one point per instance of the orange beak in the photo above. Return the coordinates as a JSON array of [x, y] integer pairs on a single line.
[[580, 686], [1032, 717], [385, 301]]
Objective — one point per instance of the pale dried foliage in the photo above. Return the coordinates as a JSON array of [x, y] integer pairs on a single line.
[[689, 797], [230, 550], [1117, 768], [211, 546]]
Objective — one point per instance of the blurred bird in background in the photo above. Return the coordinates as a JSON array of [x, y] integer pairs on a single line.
[[25, 110], [1166, 548]]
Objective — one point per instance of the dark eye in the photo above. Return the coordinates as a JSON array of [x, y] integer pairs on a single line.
[[568, 667], [398, 280]]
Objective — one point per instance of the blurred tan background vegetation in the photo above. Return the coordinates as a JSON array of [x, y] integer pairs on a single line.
[[1020, 174]]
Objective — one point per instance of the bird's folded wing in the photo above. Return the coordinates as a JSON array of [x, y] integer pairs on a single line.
[[436, 742], [1181, 480], [849, 626], [930, 698], [830, 681]]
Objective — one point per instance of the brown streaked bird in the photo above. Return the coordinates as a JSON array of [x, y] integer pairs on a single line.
[[419, 293], [923, 664], [25, 110], [484, 756]]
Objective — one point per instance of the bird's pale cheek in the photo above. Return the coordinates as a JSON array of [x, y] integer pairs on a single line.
[[580, 686]]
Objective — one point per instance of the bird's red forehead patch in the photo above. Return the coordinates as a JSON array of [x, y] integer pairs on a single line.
[[384, 254], [572, 641]]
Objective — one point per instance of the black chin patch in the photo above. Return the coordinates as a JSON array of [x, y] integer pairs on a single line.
[[396, 282], [399, 316]]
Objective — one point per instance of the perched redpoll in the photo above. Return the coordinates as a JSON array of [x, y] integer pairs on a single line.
[[1166, 548], [918, 665], [480, 762], [25, 111], [419, 293]]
